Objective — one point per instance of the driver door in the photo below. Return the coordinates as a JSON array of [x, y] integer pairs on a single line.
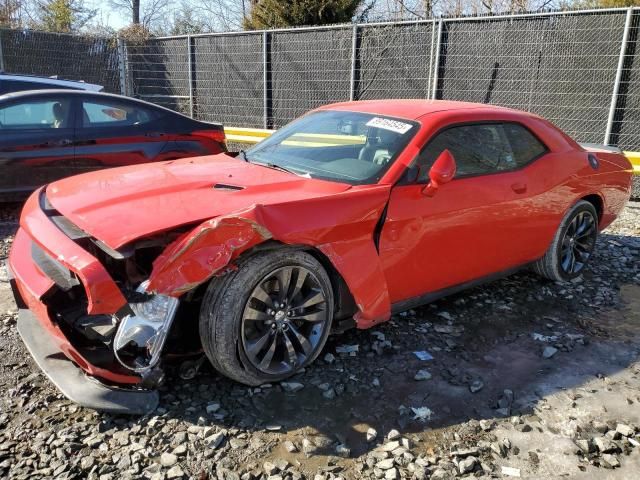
[[36, 141], [469, 229]]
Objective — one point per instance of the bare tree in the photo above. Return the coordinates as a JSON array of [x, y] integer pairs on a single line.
[[11, 13], [418, 9], [221, 15], [147, 13]]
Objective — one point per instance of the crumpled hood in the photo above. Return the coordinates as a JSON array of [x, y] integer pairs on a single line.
[[119, 205]]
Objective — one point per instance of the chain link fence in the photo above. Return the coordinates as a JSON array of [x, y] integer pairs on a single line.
[[560, 67], [92, 59], [395, 61], [228, 79], [158, 71], [578, 69]]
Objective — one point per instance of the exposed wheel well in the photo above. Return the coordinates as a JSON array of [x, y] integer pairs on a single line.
[[598, 204], [345, 304]]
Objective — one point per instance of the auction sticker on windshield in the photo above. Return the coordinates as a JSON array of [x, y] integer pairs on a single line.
[[387, 124]]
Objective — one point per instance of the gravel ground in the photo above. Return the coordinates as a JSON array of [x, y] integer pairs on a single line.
[[521, 378]]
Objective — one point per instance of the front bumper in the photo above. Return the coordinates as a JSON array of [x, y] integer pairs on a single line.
[[42, 333], [72, 382]]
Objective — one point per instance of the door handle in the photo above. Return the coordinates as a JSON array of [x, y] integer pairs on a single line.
[[519, 187], [65, 142]]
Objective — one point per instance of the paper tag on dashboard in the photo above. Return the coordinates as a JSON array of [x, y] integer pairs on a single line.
[[388, 124]]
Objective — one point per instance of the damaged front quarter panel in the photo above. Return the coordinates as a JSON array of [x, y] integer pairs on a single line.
[[198, 255], [340, 226]]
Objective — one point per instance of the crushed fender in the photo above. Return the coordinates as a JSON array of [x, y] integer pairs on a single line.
[[343, 235], [197, 256]]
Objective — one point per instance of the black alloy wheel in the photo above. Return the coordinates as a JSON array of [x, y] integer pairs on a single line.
[[283, 320], [578, 242], [269, 318], [572, 245]]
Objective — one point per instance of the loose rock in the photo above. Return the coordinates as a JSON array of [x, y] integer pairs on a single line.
[[175, 473], [467, 465], [291, 387], [168, 459], [476, 386], [510, 471]]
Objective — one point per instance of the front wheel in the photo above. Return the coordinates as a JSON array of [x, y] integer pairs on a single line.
[[572, 244], [269, 318]]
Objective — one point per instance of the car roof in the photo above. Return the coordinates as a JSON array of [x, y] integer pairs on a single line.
[[81, 93], [53, 81], [410, 109]]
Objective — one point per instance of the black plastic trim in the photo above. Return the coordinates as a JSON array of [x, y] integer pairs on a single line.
[[72, 382]]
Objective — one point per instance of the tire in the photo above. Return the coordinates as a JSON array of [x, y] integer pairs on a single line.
[[554, 265], [242, 308]]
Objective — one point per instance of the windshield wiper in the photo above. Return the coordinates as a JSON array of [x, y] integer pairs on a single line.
[[243, 155], [276, 167]]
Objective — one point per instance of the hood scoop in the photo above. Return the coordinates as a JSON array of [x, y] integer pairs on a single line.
[[225, 186]]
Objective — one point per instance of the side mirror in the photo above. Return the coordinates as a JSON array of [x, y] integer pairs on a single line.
[[442, 171]]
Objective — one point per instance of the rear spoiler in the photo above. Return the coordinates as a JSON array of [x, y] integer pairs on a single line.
[[633, 157], [595, 147]]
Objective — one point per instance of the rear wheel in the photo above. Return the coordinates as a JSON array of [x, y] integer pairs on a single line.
[[268, 319], [572, 245]]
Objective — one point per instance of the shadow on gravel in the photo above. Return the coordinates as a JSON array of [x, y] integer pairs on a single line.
[[498, 350]]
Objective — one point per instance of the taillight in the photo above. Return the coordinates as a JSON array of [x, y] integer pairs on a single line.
[[215, 135]]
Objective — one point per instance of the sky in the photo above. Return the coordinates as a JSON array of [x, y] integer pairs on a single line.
[[106, 15]]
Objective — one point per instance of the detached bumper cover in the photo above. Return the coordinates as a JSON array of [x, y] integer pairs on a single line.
[[72, 382]]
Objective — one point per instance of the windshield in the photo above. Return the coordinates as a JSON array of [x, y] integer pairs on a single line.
[[349, 147]]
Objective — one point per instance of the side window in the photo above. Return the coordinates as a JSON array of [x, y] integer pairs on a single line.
[[478, 149], [36, 114], [525, 146], [482, 148], [97, 114]]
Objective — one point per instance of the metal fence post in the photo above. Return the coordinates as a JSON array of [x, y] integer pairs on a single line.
[[436, 62], [1, 56], [616, 84], [430, 70], [190, 56], [354, 59], [122, 65], [265, 79]]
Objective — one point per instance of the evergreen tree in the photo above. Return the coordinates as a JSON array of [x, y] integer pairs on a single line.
[[61, 16], [291, 13]]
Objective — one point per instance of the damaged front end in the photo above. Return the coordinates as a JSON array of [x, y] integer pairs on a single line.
[[129, 341], [79, 298]]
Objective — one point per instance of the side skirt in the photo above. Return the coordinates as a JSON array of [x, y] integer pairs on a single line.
[[438, 294]]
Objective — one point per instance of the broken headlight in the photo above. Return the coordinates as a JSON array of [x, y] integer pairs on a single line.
[[142, 333]]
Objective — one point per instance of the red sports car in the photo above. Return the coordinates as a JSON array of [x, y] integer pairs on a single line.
[[345, 216]]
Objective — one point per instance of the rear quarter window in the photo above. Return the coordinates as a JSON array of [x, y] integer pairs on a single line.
[[524, 145]]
